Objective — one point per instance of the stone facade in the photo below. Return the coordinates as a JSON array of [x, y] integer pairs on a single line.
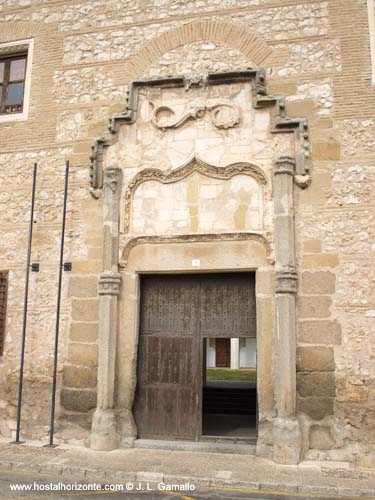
[[224, 172]]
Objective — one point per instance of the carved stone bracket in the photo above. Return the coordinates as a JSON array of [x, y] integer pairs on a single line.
[[224, 114], [286, 280], [287, 165], [109, 284]]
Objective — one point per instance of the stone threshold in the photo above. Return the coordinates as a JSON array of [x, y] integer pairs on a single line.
[[209, 446]]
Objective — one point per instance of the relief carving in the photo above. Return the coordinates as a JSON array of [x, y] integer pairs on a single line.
[[223, 113], [178, 174]]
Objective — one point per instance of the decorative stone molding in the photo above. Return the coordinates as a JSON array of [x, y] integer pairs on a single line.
[[197, 79], [286, 280], [175, 175], [191, 238], [224, 114], [284, 165], [111, 179], [109, 284], [260, 99], [96, 166], [287, 165]]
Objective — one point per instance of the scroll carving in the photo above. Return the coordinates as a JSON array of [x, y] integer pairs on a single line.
[[223, 113]]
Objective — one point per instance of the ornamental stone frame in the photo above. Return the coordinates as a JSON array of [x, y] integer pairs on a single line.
[[272, 257]]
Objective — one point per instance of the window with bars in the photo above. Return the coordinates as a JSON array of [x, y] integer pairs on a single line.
[[12, 83], [3, 307]]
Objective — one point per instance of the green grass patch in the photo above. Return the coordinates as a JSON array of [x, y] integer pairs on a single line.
[[227, 374]]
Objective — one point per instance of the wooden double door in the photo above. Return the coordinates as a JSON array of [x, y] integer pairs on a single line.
[[177, 312]]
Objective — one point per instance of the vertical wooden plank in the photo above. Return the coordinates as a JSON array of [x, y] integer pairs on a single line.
[[166, 359]]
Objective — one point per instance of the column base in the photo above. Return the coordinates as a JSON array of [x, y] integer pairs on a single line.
[[104, 436], [287, 441], [128, 429]]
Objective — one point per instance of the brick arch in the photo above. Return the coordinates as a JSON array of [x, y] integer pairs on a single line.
[[251, 45]]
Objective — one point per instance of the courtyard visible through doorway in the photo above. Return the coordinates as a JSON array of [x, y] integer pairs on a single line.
[[197, 357], [229, 388]]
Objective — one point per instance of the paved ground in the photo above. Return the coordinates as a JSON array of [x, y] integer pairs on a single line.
[[215, 476], [33, 486]]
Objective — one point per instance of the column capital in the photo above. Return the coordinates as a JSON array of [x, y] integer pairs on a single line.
[[284, 165], [109, 283], [286, 280]]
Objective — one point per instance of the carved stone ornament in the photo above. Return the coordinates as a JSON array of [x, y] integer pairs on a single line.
[[196, 79], [177, 174], [226, 117], [111, 179], [263, 239], [109, 284], [286, 280], [224, 114]]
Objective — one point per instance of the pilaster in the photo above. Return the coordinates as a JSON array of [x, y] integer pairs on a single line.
[[286, 432], [104, 434]]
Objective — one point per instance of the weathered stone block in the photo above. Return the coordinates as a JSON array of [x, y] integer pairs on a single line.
[[314, 307], [83, 286], [320, 437], [84, 332], [319, 332], [85, 310], [315, 359], [265, 282], [320, 384], [320, 260], [79, 377], [78, 400], [315, 408], [301, 108], [320, 282], [312, 246], [326, 151], [82, 354]]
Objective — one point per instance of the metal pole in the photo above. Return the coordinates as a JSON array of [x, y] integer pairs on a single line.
[[25, 304], [53, 399]]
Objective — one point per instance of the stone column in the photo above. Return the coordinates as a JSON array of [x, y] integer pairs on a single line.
[[104, 434], [286, 431], [235, 353]]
